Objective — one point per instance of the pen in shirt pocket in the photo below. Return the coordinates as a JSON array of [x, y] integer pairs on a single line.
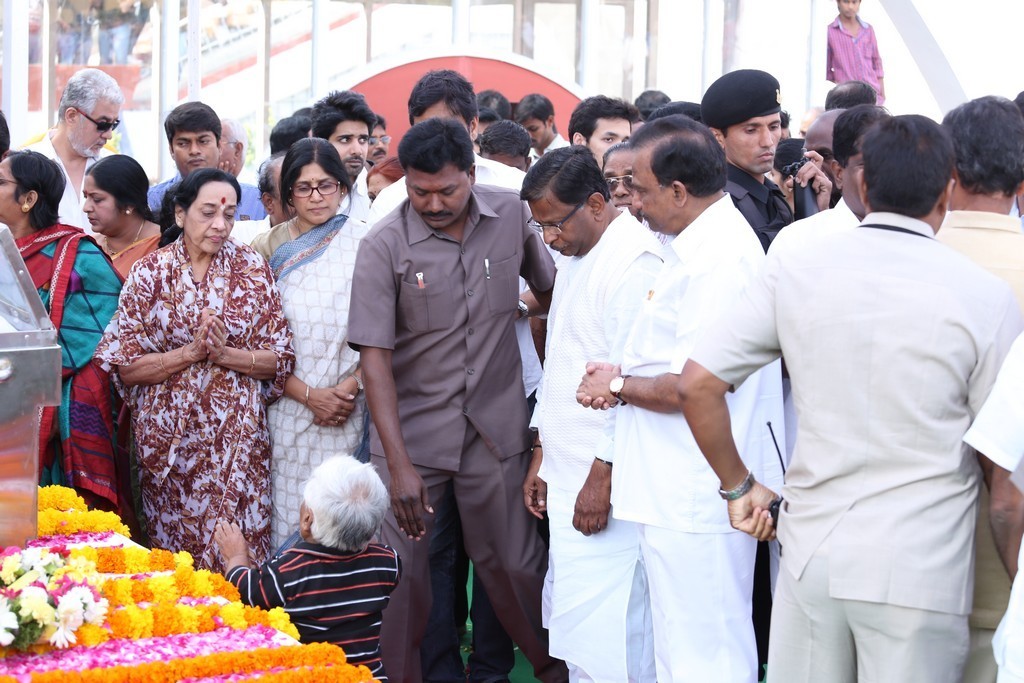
[[419, 281], [487, 268]]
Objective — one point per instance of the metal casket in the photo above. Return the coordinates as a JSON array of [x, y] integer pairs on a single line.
[[29, 379]]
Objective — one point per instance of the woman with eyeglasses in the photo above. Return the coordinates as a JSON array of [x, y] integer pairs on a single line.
[[115, 204], [322, 412], [198, 348], [79, 288]]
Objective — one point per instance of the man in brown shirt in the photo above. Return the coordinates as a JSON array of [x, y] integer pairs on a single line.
[[434, 299]]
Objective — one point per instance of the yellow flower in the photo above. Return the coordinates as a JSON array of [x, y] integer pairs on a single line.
[[233, 615], [9, 569], [163, 588], [280, 620], [78, 569], [34, 603], [53, 522], [60, 498], [183, 559], [25, 579]]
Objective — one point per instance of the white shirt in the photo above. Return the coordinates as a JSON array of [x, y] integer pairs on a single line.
[[246, 231], [357, 203], [70, 210], [998, 433], [838, 218], [660, 477], [557, 143], [596, 299]]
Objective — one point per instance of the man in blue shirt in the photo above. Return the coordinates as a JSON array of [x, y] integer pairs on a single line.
[[193, 134]]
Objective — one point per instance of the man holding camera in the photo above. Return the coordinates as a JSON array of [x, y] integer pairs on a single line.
[[742, 109]]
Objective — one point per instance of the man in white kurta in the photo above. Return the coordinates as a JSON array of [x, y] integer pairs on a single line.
[[598, 619], [700, 571], [998, 433]]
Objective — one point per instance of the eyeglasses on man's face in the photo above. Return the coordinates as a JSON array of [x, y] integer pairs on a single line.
[[383, 139], [615, 180], [553, 227], [101, 126], [324, 189]]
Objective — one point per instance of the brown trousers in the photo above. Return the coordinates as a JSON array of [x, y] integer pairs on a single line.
[[502, 541]]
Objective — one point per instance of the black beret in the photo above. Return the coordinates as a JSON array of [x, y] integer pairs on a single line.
[[738, 96]]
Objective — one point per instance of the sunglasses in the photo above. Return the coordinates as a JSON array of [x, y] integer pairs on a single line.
[[101, 126], [613, 182], [386, 139]]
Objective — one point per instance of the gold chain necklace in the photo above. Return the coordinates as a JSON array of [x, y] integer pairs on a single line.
[[114, 255]]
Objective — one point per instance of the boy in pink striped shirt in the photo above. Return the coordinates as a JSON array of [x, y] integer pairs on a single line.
[[853, 50]]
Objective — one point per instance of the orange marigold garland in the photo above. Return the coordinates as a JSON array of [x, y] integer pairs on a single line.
[[253, 661]]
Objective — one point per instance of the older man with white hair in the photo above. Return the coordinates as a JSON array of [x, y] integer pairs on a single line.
[[88, 113], [336, 581], [234, 140]]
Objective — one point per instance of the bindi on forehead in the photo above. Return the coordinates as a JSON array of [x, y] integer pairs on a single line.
[[223, 200]]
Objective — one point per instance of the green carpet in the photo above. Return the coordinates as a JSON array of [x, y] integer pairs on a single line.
[[522, 672]]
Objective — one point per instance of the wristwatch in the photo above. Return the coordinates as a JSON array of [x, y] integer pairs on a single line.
[[615, 387], [524, 310]]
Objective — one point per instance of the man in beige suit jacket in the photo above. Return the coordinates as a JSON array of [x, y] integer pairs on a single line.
[[893, 342]]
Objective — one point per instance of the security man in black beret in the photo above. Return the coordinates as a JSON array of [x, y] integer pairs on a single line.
[[742, 109]]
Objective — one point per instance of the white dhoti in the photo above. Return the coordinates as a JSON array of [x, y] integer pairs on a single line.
[[600, 619], [701, 587]]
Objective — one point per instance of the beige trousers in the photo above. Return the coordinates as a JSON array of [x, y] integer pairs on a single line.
[[981, 661], [818, 638]]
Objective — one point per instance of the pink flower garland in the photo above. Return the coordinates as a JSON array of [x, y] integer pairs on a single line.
[[134, 652]]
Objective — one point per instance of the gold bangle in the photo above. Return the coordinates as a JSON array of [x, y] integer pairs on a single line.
[[252, 363], [305, 401]]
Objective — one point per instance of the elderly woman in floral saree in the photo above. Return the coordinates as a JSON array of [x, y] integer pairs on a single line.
[[79, 287], [199, 346]]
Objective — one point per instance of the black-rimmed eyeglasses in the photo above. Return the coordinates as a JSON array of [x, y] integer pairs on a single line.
[[554, 227], [324, 189], [101, 126]]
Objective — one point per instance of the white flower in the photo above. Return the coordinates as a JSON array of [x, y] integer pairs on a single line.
[[70, 617], [8, 622], [93, 611], [96, 613], [31, 558]]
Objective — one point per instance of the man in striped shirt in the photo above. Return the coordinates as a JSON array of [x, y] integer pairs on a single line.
[[334, 583]]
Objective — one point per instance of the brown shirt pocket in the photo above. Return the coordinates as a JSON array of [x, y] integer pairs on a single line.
[[503, 286], [427, 308]]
